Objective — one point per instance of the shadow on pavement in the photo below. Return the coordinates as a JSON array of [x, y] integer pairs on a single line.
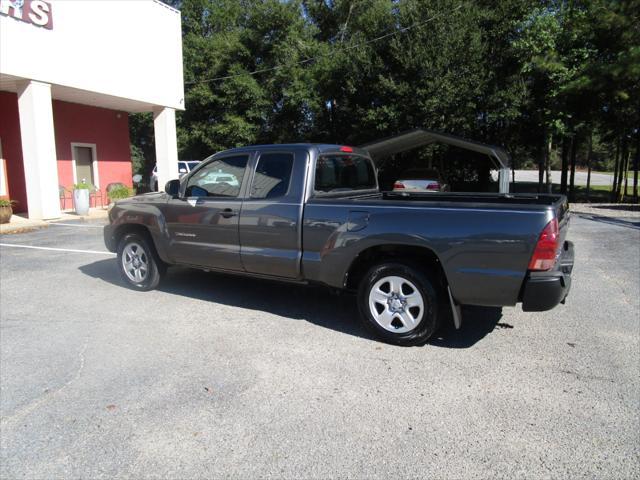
[[311, 303], [610, 220], [625, 207], [477, 323]]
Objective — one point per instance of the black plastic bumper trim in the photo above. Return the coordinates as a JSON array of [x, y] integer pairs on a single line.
[[543, 291]]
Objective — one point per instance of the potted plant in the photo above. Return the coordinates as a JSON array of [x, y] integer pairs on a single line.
[[81, 197], [6, 210]]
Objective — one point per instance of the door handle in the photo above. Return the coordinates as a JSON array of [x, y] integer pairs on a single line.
[[228, 213]]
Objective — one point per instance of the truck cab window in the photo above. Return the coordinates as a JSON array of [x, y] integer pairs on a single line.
[[220, 178], [272, 176], [336, 173]]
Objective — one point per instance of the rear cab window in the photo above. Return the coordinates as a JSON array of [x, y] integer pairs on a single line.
[[272, 176], [342, 173]]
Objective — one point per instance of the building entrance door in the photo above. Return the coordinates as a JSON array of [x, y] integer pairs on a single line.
[[84, 164]]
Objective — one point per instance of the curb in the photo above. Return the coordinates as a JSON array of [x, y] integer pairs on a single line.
[[25, 225], [8, 229]]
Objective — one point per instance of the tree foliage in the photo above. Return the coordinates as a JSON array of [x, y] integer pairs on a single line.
[[543, 78]]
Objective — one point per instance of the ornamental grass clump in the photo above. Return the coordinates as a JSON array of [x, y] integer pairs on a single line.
[[120, 192]]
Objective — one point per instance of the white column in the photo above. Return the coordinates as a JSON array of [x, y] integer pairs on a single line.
[[164, 126], [39, 150]]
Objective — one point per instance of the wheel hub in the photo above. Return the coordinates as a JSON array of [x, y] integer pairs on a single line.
[[396, 304]]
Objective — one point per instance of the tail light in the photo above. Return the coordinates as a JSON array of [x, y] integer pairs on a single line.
[[434, 186], [398, 186], [544, 255]]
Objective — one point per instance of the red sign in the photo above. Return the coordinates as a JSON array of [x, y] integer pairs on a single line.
[[36, 12]]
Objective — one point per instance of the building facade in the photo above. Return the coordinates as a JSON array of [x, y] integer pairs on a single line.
[[70, 73]]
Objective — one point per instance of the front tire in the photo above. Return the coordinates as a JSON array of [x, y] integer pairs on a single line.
[[399, 304], [138, 263]]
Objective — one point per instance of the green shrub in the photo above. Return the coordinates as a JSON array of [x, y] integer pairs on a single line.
[[7, 203], [120, 192], [82, 186]]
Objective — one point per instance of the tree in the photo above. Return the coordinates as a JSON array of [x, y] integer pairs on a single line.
[[143, 153], [544, 72], [606, 83], [226, 41], [536, 77]]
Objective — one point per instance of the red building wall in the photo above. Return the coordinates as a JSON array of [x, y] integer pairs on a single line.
[[12, 149], [107, 129], [73, 123]]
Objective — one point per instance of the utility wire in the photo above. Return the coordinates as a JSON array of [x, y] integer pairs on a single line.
[[311, 59]]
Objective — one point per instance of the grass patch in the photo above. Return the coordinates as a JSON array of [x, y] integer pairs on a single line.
[[609, 173], [597, 193]]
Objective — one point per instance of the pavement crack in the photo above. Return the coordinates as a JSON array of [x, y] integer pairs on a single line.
[[11, 420], [587, 376]]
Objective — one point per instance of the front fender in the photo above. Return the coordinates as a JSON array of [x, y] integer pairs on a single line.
[[140, 214]]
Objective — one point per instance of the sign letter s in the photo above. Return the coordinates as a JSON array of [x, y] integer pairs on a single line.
[[41, 14]]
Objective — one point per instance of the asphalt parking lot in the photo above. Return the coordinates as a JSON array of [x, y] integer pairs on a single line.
[[220, 376]]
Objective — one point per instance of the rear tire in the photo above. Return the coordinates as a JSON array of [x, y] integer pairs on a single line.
[[138, 263], [399, 303]]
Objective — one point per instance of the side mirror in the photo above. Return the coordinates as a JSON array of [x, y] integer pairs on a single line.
[[172, 188]]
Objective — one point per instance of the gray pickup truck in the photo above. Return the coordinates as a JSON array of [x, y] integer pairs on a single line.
[[313, 213]]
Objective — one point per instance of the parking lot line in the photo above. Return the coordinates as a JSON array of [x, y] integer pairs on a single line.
[[75, 225], [71, 250]]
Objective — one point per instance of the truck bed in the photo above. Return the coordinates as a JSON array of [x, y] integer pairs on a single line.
[[483, 241], [498, 201]]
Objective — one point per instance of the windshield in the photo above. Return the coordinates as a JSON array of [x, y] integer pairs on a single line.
[[336, 173]]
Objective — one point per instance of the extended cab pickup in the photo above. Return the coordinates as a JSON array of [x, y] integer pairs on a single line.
[[314, 213]]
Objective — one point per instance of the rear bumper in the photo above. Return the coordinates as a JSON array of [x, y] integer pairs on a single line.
[[544, 290]]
